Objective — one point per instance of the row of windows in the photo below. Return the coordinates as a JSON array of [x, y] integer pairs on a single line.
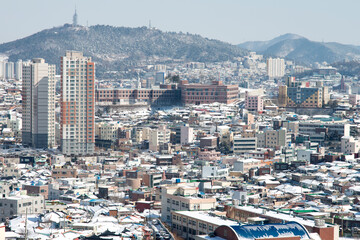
[[24, 204], [64, 173], [193, 231], [243, 145], [177, 203]]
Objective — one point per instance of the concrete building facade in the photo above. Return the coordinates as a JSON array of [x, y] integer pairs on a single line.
[[158, 137], [77, 104], [38, 104], [275, 67], [350, 145], [254, 102], [20, 205], [165, 95], [179, 198], [186, 135], [300, 94], [202, 94], [243, 145]]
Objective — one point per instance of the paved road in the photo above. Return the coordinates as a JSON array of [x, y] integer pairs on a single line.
[[160, 231]]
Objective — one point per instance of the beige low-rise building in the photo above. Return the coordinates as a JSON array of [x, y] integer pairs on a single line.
[[21, 205], [183, 198], [187, 224], [245, 165]]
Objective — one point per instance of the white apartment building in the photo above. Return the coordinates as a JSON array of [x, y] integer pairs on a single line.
[[275, 67], [2, 70], [186, 134], [18, 70], [158, 137], [14, 122], [350, 145], [214, 172], [38, 104], [9, 70], [77, 104]]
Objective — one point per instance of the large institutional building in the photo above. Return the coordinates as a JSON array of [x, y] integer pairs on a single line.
[[38, 104], [165, 95], [77, 104], [170, 94], [201, 93]]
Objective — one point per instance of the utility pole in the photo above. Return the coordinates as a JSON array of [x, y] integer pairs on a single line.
[[26, 218]]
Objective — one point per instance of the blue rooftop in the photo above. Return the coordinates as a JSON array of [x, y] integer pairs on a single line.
[[274, 230]]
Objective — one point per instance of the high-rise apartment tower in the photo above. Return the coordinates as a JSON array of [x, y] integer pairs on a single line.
[[275, 67], [77, 104], [38, 104]]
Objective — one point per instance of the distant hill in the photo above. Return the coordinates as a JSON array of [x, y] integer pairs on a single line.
[[302, 50], [349, 68], [260, 46], [114, 48]]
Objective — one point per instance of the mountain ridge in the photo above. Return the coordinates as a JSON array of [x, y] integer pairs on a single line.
[[118, 48], [302, 50]]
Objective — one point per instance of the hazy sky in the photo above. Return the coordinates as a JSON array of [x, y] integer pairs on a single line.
[[234, 21]]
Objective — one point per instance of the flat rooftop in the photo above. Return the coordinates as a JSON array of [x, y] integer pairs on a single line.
[[204, 216], [278, 215]]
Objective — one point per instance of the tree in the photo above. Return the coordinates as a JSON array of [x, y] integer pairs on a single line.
[[333, 103], [175, 79], [225, 147]]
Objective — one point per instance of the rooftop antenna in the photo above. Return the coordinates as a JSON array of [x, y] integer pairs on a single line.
[[149, 24]]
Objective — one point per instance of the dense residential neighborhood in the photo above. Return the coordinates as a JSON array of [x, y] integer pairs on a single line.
[[212, 143]]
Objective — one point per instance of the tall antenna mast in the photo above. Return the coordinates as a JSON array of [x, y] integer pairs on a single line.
[[75, 18]]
